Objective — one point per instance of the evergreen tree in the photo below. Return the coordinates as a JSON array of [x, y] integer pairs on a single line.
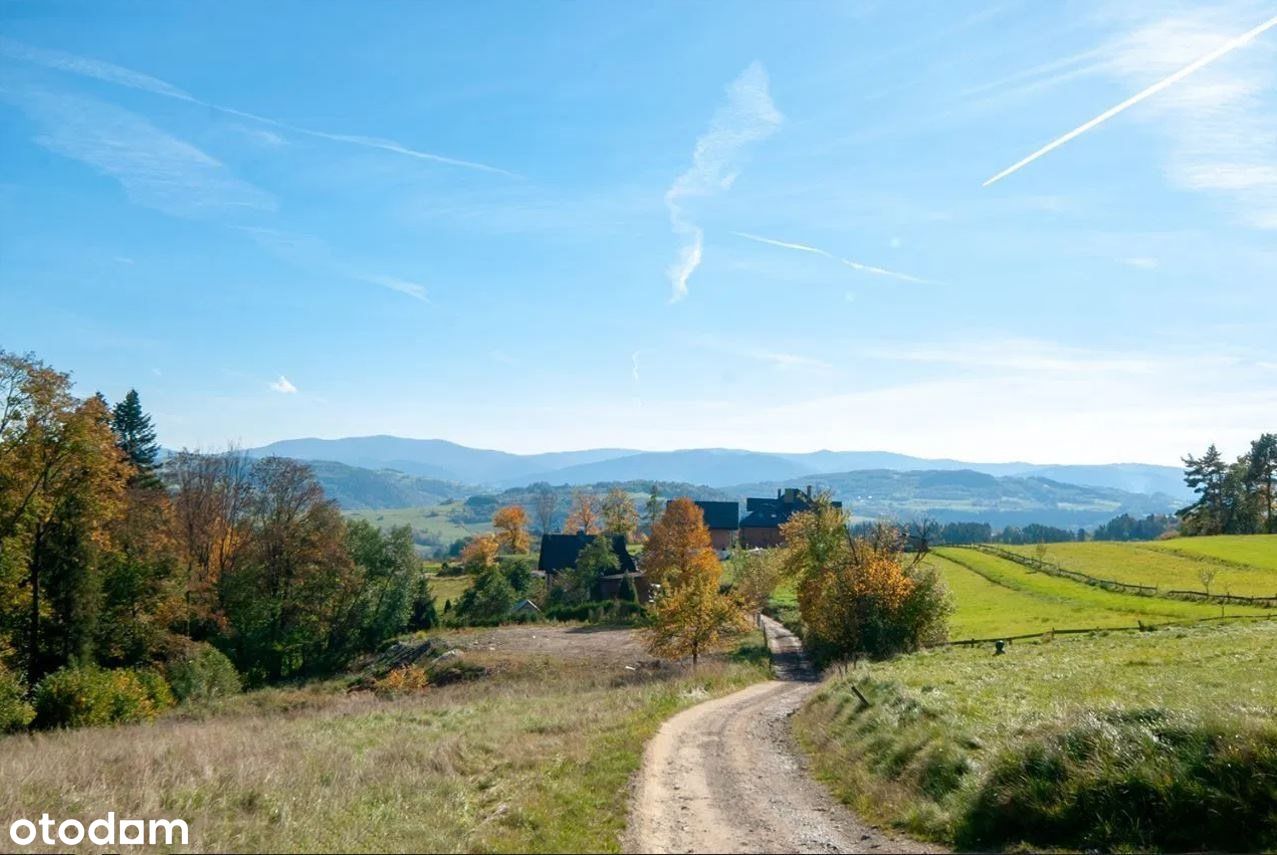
[[1206, 475], [136, 437], [1261, 477], [652, 509]]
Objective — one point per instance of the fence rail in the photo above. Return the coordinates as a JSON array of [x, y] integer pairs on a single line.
[[1114, 585]]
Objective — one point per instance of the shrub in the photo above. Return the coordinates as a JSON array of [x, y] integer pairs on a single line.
[[405, 680], [91, 696], [15, 712], [201, 672], [1137, 779]]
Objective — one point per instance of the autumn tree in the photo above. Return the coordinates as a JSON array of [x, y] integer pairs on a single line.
[[856, 597], [679, 545], [480, 553], [620, 517], [583, 513], [757, 575], [511, 525], [693, 616], [62, 482]]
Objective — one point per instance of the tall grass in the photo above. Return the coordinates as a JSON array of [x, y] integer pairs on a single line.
[[1164, 739], [536, 757]]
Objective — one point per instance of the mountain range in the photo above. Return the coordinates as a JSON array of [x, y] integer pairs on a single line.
[[487, 469]]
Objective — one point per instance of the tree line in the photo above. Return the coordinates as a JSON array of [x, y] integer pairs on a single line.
[[110, 560], [1232, 498]]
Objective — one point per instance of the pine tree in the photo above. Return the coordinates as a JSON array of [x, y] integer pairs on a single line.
[[136, 437], [653, 509], [1262, 476], [1206, 475]]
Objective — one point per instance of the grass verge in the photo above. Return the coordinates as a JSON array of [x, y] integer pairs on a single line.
[[1158, 740]]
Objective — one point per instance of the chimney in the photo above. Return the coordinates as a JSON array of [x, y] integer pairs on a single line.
[[809, 491], [778, 492]]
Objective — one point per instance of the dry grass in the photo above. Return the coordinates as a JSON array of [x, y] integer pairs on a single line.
[[535, 757]]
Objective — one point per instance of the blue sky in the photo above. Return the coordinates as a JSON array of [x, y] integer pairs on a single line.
[[658, 225]]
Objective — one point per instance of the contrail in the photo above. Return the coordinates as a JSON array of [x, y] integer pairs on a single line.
[[815, 250], [1200, 63]]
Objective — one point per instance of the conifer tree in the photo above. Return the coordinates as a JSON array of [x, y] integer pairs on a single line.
[[136, 437]]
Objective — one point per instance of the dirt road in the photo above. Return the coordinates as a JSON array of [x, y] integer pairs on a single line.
[[725, 776]]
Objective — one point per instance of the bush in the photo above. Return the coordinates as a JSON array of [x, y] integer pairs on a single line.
[[15, 712], [91, 696], [200, 673], [1137, 780], [405, 680]]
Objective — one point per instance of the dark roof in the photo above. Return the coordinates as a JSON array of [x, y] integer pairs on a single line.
[[560, 551], [721, 515], [771, 513]]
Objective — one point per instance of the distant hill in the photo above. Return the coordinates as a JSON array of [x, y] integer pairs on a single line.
[[960, 495], [354, 488], [964, 495], [714, 467]]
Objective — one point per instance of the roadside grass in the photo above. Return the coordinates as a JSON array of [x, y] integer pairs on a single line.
[[1124, 741], [1065, 591], [535, 756], [1173, 568], [1255, 550]]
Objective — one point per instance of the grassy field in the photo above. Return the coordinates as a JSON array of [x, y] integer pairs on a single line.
[[1254, 550], [1082, 602], [446, 588], [535, 756], [1243, 565], [435, 521], [1157, 740]]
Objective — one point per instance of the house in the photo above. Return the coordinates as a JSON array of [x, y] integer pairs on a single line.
[[723, 521], [559, 552], [763, 517]]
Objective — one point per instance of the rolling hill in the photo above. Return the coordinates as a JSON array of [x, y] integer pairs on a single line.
[[713, 467]]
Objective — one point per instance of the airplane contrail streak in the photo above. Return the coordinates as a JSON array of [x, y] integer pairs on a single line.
[[1196, 65]]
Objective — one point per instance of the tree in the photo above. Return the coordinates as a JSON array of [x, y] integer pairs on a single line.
[[855, 596], [692, 618], [652, 510], [757, 575], [480, 553], [583, 514], [1262, 475], [619, 514], [136, 437], [62, 482], [490, 598], [1206, 475], [546, 504], [595, 560], [679, 545], [511, 525]]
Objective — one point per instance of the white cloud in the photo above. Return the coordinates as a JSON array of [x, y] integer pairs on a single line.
[[394, 283], [634, 366], [111, 73], [308, 251], [283, 386], [749, 115], [1140, 262], [155, 169]]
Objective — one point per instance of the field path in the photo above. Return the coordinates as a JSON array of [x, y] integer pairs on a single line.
[[725, 776]]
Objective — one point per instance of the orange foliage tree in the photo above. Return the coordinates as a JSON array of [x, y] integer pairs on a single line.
[[480, 553], [583, 514], [679, 544], [511, 524]]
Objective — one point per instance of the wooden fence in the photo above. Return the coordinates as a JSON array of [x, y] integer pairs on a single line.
[[1114, 585]]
